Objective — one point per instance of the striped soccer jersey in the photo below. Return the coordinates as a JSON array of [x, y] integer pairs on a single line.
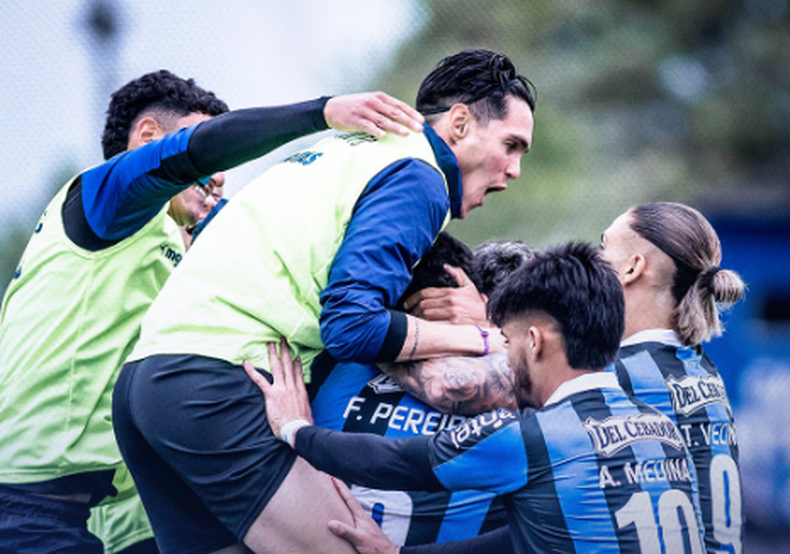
[[684, 384], [592, 471], [359, 398]]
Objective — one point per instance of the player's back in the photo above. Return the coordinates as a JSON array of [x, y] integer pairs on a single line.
[[684, 384], [358, 398], [592, 471], [258, 270]]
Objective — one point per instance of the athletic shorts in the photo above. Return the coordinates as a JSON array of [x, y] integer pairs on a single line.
[[194, 434], [33, 524]]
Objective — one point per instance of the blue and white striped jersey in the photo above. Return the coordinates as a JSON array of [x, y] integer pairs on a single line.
[[358, 398], [682, 382], [591, 471]]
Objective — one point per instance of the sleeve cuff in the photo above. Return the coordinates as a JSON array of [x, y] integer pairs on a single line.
[[395, 338], [318, 118]]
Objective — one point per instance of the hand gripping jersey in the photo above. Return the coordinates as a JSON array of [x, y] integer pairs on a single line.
[[592, 471], [359, 398], [683, 383]]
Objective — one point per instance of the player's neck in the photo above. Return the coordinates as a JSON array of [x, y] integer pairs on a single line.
[[647, 311]]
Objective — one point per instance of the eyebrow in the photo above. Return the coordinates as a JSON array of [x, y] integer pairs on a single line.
[[522, 142]]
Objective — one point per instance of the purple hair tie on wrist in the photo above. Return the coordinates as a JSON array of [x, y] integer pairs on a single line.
[[486, 344]]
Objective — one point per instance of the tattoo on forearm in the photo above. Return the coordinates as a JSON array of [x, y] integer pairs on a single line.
[[416, 338], [465, 386]]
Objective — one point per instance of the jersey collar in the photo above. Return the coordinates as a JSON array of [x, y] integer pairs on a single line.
[[584, 382], [448, 163], [663, 336]]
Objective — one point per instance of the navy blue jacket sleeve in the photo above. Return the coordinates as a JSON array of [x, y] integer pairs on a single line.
[[394, 223], [121, 195], [389, 464]]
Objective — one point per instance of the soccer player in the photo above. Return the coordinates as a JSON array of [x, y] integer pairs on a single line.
[[320, 249], [667, 256], [590, 470], [99, 254], [359, 398]]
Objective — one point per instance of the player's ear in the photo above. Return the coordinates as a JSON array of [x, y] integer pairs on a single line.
[[635, 267], [535, 343], [144, 131], [460, 122]]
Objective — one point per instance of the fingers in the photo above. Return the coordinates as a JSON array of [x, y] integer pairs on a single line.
[[372, 112], [287, 364], [459, 275], [256, 377], [275, 365], [342, 530], [395, 110], [432, 293], [348, 498], [299, 379]]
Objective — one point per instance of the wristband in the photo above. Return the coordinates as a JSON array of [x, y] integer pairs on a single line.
[[288, 431], [486, 344]]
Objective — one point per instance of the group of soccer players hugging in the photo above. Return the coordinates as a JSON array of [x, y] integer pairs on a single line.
[[496, 399]]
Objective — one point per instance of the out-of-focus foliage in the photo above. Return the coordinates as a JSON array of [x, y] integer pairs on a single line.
[[637, 101]]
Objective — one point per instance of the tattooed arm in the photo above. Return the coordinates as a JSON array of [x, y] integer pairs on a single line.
[[457, 385]]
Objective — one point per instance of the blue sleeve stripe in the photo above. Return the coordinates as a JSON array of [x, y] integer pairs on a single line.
[[121, 195], [576, 476], [464, 515], [497, 463], [648, 382]]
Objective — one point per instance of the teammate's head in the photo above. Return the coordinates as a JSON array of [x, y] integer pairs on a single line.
[[577, 291], [495, 260], [160, 95], [482, 108], [152, 106], [691, 273], [481, 79], [430, 271]]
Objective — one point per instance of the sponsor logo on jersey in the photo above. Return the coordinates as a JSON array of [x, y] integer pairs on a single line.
[[305, 158], [357, 138], [689, 393], [382, 384], [40, 224], [615, 433], [170, 253], [472, 430]]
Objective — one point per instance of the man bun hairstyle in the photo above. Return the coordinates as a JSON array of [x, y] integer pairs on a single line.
[[575, 286], [481, 79], [495, 260], [160, 92], [699, 285]]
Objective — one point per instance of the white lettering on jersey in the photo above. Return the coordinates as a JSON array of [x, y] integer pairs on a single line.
[[689, 394], [614, 433]]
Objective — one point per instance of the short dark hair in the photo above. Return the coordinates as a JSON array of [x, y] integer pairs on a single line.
[[495, 260], [573, 285], [480, 79], [430, 271], [158, 91]]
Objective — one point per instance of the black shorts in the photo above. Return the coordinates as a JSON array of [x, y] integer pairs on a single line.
[[32, 524], [194, 434]]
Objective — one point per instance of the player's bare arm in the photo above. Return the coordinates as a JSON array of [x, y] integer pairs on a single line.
[[458, 385]]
